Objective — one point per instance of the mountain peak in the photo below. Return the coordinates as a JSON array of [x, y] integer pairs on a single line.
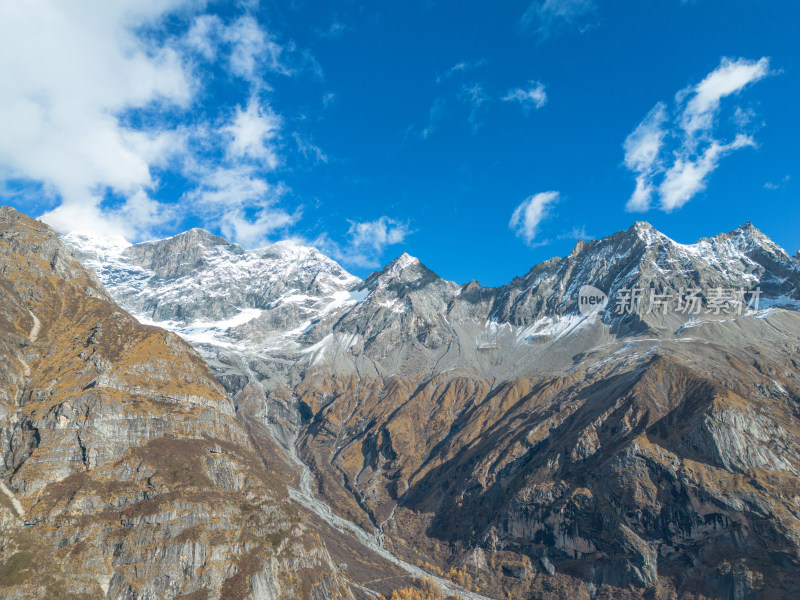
[[198, 235], [403, 271], [291, 250], [406, 268], [749, 230], [647, 233], [405, 260]]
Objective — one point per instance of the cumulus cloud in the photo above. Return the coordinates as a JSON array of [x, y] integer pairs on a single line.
[[100, 101], [69, 73], [673, 155], [527, 216], [550, 17], [252, 132], [367, 241], [530, 98]]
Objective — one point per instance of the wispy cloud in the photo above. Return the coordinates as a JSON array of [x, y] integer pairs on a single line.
[[434, 116], [310, 151], [527, 217], [336, 30], [460, 68], [674, 155], [576, 233], [532, 97], [731, 77], [776, 185], [474, 96], [688, 176], [249, 49], [551, 17], [642, 150], [366, 241]]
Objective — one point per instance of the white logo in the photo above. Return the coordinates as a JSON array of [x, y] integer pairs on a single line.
[[591, 300]]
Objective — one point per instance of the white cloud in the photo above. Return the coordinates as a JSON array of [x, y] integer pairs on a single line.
[[203, 36], [527, 216], [252, 133], [687, 177], [241, 203], [366, 241], [643, 145], [532, 97], [329, 99], [729, 78], [252, 50], [377, 234], [742, 117], [98, 98], [673, 156], [69, 72], [255, 231], [550, 17], [335, 31], [249, 49], [642, 149]]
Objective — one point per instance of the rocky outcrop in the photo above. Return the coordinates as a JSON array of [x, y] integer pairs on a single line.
[[125, 473], [501, 436]]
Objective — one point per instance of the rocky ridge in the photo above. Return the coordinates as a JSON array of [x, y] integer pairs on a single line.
[[500, 432], [125, 471]]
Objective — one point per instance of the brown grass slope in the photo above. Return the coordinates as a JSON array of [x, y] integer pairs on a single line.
[[673, 476], [125, 472]]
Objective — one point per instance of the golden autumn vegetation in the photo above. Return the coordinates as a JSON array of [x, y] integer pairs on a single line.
[[427, 590]]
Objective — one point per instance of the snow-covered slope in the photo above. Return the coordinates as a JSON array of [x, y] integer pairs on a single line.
[[213, 292], [291, 302], [405, 393]]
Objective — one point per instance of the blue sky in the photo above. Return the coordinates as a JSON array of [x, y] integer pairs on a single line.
[[482, 137]]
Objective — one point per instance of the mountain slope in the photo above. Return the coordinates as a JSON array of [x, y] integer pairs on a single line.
[[125, 472], [500, 432]]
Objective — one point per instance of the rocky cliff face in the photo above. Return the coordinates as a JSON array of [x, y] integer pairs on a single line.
[[499, 434], [125, 473]]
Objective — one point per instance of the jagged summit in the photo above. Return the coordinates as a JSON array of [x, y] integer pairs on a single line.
[[198, 282], [402, 263], [403, 271], [427, 406]]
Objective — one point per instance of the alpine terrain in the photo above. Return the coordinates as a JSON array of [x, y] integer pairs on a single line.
[[328, 437]]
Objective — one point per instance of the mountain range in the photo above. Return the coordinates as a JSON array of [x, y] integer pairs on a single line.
[[506, 442]]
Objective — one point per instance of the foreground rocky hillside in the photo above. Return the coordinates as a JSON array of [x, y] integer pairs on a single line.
[[500, 437], [125, 473]]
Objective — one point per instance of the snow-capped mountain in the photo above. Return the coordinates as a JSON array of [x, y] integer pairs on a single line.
[[508, 422], [206, 288], [291, 300]]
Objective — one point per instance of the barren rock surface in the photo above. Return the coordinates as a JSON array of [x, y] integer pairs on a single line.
[[500, 436]]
